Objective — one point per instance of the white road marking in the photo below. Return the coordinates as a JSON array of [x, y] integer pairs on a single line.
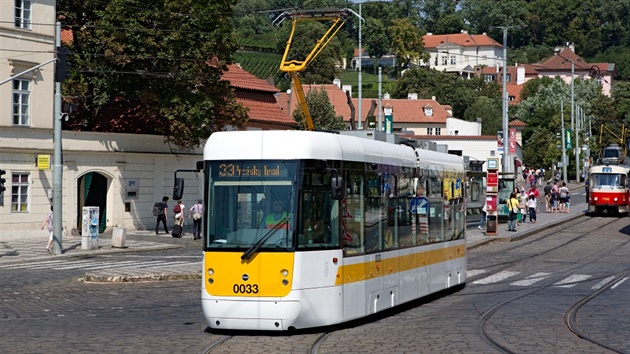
[[602, 283], [496, 277], [531, 279], [473, 272], [572, 280], [619, 283]]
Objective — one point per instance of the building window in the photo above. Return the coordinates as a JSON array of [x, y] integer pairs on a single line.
[[21, 102], [492, 152], [511, 98], [508, 77], [23, 14], [488, 78], [429, 131], [484, 59], [599, 81], [466, 59], [438, 131], [453, 60], [444, 60], [428, 112], [19, 192]]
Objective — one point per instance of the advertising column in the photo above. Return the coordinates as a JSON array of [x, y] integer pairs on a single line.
[[492, 191], [89, 232]]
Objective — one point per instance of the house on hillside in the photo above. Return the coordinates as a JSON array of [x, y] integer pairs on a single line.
[[460, 53], [412, 115]]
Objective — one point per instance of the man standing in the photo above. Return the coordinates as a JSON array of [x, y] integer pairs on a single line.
[[547, 191], [197, 213], [162, 215]]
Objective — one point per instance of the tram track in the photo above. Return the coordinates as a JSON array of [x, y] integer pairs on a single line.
[[552, 232], [570, 316], [209, 348]]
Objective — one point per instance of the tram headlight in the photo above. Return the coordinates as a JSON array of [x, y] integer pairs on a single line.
[[284, 272], [615, 199], [210, 272], [595, 199]]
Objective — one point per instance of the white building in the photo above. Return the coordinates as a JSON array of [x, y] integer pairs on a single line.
[[461, 52], [120, 173]]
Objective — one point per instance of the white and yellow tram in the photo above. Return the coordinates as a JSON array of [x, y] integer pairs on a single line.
[[307, 229]]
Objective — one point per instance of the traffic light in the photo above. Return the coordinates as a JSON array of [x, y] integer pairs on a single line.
[[558, 141], [61, 65], [2, 180]]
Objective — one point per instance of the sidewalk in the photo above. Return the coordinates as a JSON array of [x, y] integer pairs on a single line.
[[30, 246]]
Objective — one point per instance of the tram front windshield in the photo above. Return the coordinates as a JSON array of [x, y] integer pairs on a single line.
[[252, 204], [608, 181]]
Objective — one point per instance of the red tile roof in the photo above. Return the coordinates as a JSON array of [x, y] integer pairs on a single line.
[[432, 41], [258, 96], [240, 78], [404, 110], [517, 123]]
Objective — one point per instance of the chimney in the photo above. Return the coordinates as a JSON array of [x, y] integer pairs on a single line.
[[432, 98], [337, 83], [412, 96], [386, 96]]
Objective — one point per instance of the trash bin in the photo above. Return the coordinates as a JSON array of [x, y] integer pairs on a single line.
[[119, 235]]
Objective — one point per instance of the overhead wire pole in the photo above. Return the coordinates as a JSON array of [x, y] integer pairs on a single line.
[[360, 83], [507, 157], [57, 163]]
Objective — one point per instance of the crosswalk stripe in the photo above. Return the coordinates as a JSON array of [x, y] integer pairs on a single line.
[[602, 283], [496, 277], [94, 264], [532, 279], [571, 281], [130, 264]]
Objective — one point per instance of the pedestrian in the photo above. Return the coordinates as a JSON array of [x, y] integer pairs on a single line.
[[161, 209], [547, 191], [532, 206], [513, 208], [484, 215], [522, 200], [48, 221], [196, 212], [568, 203], [178, 214], [563, 192], [554, 201]]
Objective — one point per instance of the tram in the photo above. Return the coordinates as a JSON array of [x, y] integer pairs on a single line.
[[607, 189], [306, 229]]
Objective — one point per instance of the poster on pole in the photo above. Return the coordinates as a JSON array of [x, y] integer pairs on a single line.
[[512, 141]]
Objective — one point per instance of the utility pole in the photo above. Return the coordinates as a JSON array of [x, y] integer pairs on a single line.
[[359, 67], [564, 151], [508, 160], [57, 163], [380, 99]]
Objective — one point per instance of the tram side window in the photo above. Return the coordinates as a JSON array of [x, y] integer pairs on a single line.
[[353, 213], [318, 219]]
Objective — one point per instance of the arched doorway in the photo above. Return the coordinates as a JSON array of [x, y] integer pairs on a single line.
[[92, 191]]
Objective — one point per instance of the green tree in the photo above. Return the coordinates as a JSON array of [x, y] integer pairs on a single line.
[[489, 111], [406, 42], [164, 64], [377, 42], [321, 110]]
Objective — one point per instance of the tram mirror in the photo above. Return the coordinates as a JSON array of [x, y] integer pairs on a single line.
[[199, 165], [178, 189], [336, 188]]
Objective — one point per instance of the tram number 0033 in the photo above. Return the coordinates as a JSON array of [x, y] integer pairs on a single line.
[[245, 288]]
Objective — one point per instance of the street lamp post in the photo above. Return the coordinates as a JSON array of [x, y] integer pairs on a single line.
[[507, 157], [359, 67], [574, 125]]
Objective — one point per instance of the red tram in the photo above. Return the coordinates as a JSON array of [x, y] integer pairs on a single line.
[[608, 189]]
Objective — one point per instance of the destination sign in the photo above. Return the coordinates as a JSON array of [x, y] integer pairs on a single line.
[[252, 170]]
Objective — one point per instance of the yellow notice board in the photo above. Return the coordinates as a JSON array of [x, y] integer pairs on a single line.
[[43, 162]]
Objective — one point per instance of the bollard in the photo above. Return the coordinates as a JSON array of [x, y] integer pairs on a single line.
[[119, 235]]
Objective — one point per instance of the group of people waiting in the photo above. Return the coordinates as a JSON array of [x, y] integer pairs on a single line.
[[525, 203], [195, 212]]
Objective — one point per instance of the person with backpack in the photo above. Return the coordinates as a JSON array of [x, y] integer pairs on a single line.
[[196, 212], [160, 211], [178, 213]]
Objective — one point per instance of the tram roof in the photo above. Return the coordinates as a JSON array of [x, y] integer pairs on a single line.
[[297, 144]]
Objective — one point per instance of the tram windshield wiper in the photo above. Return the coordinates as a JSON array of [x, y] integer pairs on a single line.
[[256, 246]]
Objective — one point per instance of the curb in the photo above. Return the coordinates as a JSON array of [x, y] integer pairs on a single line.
[[89, 278]]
